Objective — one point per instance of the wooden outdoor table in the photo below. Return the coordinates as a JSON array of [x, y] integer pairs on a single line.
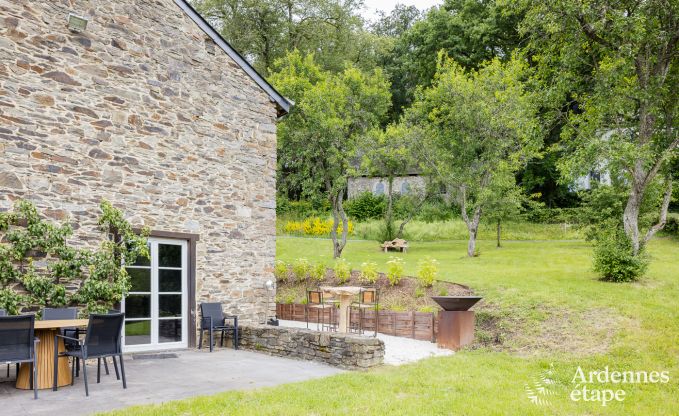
[[45, 331], [345, 294]]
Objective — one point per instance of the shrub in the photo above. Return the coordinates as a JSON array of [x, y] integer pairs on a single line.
[[317, 272], [369, 272], [313, 227], [280, 271], [300, 268], [342, 270], [672, 225], [365, 206], [428, 271], [614, 260], [395, 270]]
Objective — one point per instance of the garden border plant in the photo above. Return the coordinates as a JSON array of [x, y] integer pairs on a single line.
[[38, 263]]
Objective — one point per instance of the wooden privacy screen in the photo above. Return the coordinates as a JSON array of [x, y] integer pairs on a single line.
[[416, 325]]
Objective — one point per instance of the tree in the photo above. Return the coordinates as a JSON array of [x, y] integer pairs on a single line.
[[469, 31], [320, 136], [617, 64], [477, 128], [265, 30], [389, 155]]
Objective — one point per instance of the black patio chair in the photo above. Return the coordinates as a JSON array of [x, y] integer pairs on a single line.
[[4, 313], [102, 340], [213, 320], [19, 345]]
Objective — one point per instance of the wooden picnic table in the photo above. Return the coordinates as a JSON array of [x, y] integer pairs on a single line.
[[396, 244], [45, 331], [345, 294]]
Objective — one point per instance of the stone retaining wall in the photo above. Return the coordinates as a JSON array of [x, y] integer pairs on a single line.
[[340, 350]]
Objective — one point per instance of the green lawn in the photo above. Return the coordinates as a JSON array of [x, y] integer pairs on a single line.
[[537, 285]]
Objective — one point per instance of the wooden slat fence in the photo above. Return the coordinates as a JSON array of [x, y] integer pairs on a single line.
[[416, 325]]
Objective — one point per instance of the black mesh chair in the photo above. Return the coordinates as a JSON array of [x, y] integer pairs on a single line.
[[19, 345], [3, 313], [214, 320], [102, 340]]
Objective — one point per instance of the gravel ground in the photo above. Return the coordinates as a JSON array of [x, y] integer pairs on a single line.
[[397, 350]]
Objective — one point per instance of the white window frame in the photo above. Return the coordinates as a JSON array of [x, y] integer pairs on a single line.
[[154, 293]]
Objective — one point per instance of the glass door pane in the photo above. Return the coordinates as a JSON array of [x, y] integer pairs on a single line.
[[156, 305]]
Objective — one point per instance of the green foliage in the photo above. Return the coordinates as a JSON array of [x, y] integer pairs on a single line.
[[369, 272], [299, 210], [317, 272], [427, 271], [300, 269], [614, 258], [280, 271], [101, 273], [365, 206], [395, 270], [11, 301], [342, 271]]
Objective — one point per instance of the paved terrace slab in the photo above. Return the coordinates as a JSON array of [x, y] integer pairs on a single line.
[[191, 373]]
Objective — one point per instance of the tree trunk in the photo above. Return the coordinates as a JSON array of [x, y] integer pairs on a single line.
[[630, 216], [499, 232], [388, 218], [338, 215], [473, 227]]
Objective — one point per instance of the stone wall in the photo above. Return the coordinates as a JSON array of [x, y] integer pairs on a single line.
[[340, 350], [141, 109], [362, 184]]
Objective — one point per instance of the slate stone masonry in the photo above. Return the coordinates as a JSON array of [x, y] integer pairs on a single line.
[[143, 110], [340, 350]]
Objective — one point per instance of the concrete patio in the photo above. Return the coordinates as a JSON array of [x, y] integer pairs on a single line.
[[155, 380]]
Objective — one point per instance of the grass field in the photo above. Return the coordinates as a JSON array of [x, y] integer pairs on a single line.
[[548, 294]]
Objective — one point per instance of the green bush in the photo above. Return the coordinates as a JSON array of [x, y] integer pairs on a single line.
[[395, 270], [342, 270], [301, 209], [672, 225], [317, 272], [427, 271], [280, 271], [369, 272], [365, 206], [614, 260], [300, 269]]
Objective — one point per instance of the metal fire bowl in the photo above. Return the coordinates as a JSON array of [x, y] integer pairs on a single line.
[[456, 303]]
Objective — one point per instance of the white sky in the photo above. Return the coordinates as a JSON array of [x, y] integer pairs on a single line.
[[371, 6]]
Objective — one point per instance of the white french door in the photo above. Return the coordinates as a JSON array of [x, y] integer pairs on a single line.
[[155, 308]]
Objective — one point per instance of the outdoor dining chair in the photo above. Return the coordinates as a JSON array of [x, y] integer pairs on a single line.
[[19, 345], [102, 340], [54, 314], [316, 300], [3, 313], [213, 320], [368, 299]]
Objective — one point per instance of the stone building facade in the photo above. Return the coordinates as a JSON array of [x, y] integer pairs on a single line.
[[150, 109], [378, 185]]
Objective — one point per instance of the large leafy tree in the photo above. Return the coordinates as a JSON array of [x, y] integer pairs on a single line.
[[265, 30], [616, 63], [477, 128], [470, 31], [319, 138]]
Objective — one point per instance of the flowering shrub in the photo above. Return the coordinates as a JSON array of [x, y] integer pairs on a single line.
[[428, 271], [317, 272], [314, 227], [342, 270], [300, 268], [280, 270], [369, 272], [395, 270]]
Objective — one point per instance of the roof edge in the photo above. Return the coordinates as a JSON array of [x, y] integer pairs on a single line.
[[283, 104]]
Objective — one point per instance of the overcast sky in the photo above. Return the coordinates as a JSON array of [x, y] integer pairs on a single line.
[[371, 6]]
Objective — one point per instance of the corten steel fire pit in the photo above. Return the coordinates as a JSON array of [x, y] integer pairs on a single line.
[[456, 321]]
